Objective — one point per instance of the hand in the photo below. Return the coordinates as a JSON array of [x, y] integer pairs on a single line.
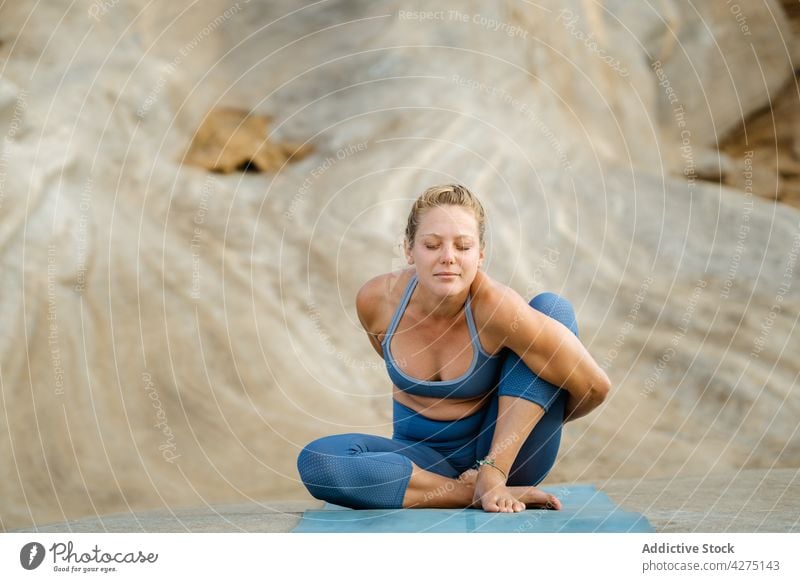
[[493, 495]]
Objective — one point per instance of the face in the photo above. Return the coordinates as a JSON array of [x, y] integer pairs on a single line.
[[446, 251]]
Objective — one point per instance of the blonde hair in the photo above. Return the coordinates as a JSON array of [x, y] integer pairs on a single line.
[[446, 194]]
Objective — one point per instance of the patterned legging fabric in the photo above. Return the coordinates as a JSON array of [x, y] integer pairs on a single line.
[[365, 471]]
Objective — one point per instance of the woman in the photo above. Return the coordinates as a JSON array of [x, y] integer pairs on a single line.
[[483, 380]]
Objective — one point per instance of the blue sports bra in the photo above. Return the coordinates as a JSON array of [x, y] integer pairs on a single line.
[[479, 379]]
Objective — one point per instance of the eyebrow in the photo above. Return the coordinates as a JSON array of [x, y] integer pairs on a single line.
[[435, 235]]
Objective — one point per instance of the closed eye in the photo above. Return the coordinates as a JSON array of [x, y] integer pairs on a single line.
[[434, 247]]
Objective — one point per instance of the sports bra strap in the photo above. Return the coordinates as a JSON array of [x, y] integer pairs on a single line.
[[473, 331], [401, 309], [398, 313]]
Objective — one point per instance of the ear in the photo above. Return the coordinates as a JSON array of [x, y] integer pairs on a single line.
[[480, 258], [407, 251]]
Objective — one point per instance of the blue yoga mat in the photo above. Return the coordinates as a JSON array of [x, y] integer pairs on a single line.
[[584, 509]]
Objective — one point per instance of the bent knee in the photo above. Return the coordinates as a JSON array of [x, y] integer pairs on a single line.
[[548, 301], [320, 460], [310, 463], [557, 307], [317, 460]]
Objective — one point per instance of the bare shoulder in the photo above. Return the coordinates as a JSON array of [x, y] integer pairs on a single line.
[[493, 300], [497, 309], [376, 297]]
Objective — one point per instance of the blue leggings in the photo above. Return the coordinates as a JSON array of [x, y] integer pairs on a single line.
[[371, 472]]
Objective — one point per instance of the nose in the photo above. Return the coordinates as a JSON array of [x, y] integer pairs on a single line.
[[448, 254]]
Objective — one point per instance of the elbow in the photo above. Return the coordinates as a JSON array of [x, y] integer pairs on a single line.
[[589, 399], [600, 389]]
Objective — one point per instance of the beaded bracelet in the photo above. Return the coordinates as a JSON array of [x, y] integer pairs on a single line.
[[490, 462]]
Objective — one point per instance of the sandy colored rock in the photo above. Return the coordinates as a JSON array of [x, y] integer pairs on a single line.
[[173, 336], [231, 139], [768, 144]]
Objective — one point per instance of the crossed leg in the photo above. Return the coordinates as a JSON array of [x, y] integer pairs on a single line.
[[366, 471]]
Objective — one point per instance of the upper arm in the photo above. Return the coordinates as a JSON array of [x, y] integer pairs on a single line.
[[546, 346], [369, 300]]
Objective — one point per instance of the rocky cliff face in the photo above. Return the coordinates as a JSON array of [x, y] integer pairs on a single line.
[[173, 336]]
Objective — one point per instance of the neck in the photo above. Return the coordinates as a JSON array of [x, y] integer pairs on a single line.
[[440, 307]]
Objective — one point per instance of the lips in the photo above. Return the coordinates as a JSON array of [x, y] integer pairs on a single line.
[[445, 275]]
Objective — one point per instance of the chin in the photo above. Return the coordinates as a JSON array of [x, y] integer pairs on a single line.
[[455, 284]]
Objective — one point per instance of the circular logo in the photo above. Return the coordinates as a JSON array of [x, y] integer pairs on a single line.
[[31, 555]]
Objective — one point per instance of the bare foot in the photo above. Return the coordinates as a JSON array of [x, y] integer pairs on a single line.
[[492, 495], [534, 497], [469, 476]]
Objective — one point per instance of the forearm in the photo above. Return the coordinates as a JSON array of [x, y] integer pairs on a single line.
[[516, 418]]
